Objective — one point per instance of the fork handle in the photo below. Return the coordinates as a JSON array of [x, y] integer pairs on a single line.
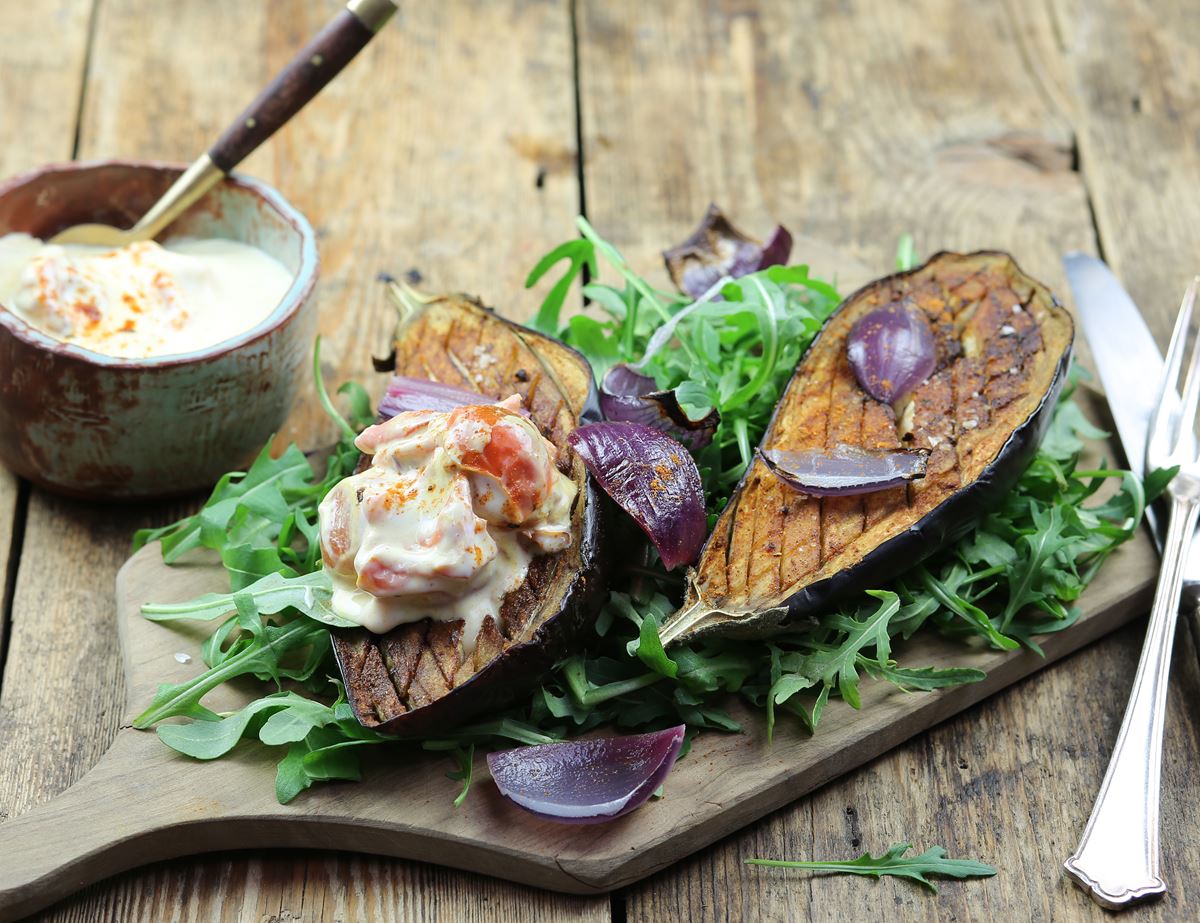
[[1117, 861], [301, 79]]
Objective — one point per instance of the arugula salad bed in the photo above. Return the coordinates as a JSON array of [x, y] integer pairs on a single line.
[[1015, 576]]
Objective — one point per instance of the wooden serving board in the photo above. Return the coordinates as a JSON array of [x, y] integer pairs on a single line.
[[143, 802]]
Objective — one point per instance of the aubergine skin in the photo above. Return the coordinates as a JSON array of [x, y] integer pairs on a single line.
[[418, 679], [777, 555]]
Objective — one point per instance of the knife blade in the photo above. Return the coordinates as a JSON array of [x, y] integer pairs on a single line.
[[1126, 357], [1130, 368]]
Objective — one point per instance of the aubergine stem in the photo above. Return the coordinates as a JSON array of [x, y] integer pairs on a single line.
[[684, 621], [406, 299]]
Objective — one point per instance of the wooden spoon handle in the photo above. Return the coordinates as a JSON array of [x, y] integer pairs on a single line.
[[306, 74]]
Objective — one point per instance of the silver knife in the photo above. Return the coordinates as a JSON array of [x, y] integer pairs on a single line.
[[1130, 368]]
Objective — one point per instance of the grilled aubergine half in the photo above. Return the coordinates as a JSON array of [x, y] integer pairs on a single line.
[[418, 677], [1003, 347]]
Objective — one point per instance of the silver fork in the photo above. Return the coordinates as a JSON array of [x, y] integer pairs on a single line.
[[1117, 860]]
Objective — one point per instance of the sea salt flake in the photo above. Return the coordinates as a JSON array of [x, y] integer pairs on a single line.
[[970, 424], [1007, 330], [181, 657], [1013, 370], [1016, 309], [483, 357]]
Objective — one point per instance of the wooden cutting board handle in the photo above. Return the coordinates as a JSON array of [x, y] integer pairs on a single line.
[[103, 824]]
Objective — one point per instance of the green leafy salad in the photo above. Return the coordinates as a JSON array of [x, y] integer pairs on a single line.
[[1015, 575]]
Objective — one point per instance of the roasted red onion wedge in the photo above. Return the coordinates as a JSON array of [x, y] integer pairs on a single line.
[[630, 397], [892, 350], [586, 781], [845, 470], [716, 248], [653, 479], [404, 393], [777, 249]]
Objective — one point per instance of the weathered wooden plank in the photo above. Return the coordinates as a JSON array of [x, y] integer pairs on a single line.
[[1131, 72], [46, 120], [1009, 782], [297, 886], [42, 53], [442, 154], [853, 124]]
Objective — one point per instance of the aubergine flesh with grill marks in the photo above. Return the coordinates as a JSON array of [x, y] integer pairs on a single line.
[[1003, 346], [423, 677]]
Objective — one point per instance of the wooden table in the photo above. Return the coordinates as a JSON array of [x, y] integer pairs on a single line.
[[457, 151]]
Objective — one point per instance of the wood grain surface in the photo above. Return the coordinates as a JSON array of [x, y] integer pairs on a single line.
[[56, 67], [449, 149], [422, 159]]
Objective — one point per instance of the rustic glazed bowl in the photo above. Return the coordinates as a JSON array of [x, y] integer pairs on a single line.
[[88, 425]]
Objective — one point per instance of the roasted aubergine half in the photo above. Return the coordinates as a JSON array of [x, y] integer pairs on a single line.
[[425, 677], [1001, 345]]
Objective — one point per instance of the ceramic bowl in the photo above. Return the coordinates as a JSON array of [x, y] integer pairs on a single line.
[[88, 425]]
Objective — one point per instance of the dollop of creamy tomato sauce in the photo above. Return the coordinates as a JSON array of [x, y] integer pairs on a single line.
[[144, 299], [445, 521]]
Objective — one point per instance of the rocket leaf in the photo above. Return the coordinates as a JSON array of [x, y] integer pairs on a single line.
[[934, 861]]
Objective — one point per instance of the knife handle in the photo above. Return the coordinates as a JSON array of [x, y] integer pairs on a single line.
[[302, 78]]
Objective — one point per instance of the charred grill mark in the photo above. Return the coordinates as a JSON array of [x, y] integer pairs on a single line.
[[822, 517], [428, 683], [742, 537], [933, 423], [763, 571], [972, 415], [401, 652], [489, 644], [492, 373], [426, 371], [357, 655], [552, 375], [518, 606], [373, 690], [446, 352], [842, 517], [1010, 337], [933, 429], [802, 522], [949, 347], [461, 368], [534, 382], [969, 290], [713, 576], [445, 641], [879, 432]]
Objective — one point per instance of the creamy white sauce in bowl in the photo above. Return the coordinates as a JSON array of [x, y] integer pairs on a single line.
[[91, 424], [144, 300]]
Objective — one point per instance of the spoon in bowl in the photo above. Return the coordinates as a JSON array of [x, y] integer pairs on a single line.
[[305, 75]]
